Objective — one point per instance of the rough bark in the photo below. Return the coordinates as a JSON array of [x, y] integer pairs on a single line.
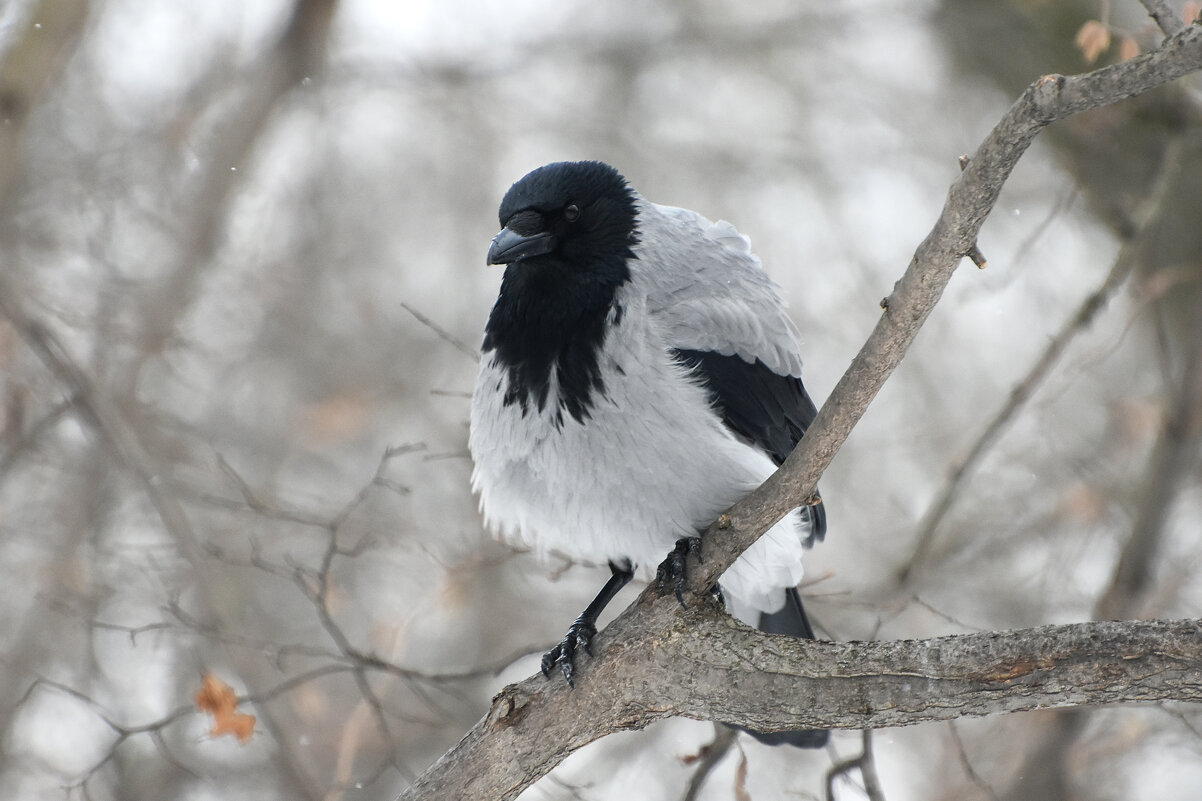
[[659, 662]]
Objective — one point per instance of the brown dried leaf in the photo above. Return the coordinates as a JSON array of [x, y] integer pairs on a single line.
[[1136, 421], [218, 699], [1092, 39], [1083, 503], [1128, 48], [336, 419]]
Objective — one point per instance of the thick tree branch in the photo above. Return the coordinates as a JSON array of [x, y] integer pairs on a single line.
[[656, 660], [702, 664]]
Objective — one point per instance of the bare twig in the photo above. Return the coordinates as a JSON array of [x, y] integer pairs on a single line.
[[966, 764], [872, 782], [296, 55], [24, 441], [1168, 20], [442, 333], [1172, 463], [1024, 390], [1045, 770], [865, 764], [974, 252], [711, 754], [839, 770], [123, 732], [1062, 204]]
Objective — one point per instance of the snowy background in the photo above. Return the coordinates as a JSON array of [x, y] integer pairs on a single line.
[[243, 252]]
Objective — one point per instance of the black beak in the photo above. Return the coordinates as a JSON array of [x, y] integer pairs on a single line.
[[509, 246]]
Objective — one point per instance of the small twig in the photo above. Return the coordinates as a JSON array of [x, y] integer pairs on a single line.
[[26, 440], [872, 782], [185, 491], [1020, 395], [966, 765], [1172, 463], [1181, 718], [442, 333], [253, 502], [864, 763], [838, 770], [974, 252], [1165, 17], [711, 754], [1062, 204], [572, 789], [1022, 392], [949, 618]]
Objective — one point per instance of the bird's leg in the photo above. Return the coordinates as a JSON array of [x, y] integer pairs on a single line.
[[580, 633], [674, 569]]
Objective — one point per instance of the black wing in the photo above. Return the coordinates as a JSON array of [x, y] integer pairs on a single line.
[[771, 410]]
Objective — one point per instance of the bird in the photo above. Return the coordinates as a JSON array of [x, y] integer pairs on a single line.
[[639, 374]]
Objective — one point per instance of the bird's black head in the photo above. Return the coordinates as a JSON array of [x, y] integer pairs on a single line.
[[579, 215], [568, 233]]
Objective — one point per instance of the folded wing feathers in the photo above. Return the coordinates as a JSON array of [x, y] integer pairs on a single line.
[[759, 392], [748, 319]]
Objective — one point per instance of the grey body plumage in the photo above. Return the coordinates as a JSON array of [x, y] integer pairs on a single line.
[[652, 462], [640, 374]]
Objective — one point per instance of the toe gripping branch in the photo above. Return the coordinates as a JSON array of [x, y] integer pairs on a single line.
[[674, 569], [580, 633]]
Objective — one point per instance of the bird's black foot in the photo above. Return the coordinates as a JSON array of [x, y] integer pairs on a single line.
[[580, 635], [718, 596], [674, 569]]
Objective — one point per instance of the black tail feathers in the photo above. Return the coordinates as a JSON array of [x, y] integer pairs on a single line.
[[790, 619]]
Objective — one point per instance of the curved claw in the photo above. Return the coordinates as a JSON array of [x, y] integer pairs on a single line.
[[675, 567], [718, 596], [580, 635]]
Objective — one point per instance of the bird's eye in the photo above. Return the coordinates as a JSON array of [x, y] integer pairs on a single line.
[[571, 213]]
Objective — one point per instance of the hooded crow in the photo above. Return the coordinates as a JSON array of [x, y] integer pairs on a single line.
[[639, 376]]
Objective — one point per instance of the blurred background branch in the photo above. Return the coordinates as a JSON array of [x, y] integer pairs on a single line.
[[220, 222]]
